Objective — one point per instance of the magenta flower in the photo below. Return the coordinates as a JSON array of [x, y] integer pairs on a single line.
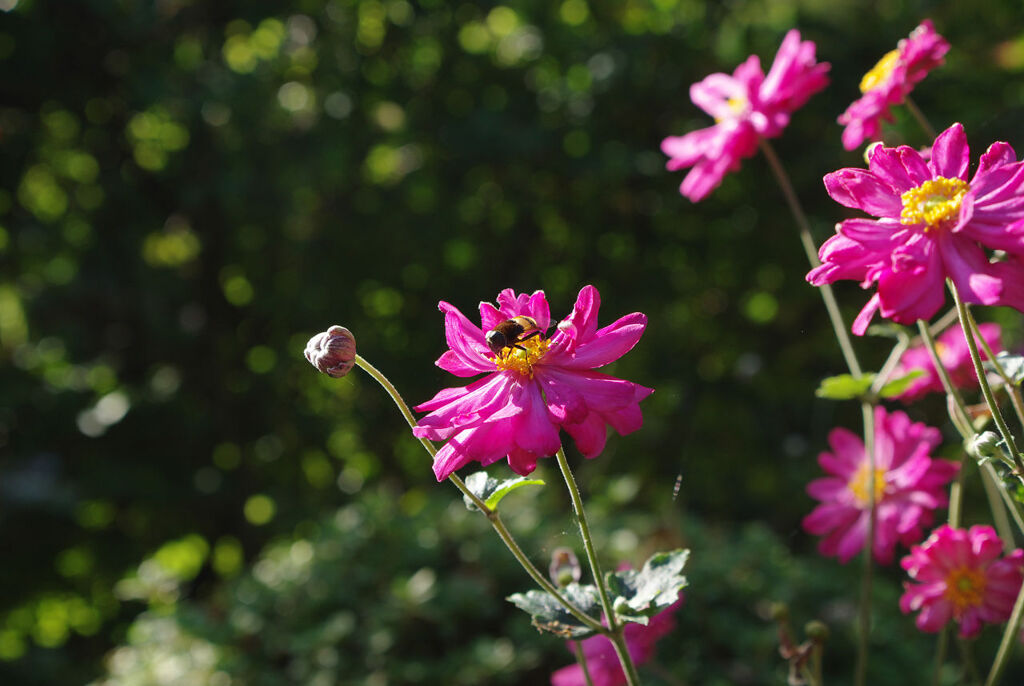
[[908, 486], [746, 106], [955, 357], [960, 574], [533, 389], [932, 224], [603, 663], [890, 81]]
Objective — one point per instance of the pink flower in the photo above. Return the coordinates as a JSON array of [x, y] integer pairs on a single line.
[[746, 106], [533, 389], [890, 81], [932, 224], [955, 357], [908, 486], [960, 575], [603, 663]]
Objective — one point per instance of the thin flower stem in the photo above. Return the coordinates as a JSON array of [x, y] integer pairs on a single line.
[[491, 514], [614, 630], [1009, 640], [986, 390], [940, 655], [867, 576], [807, 241], [970, 668], [891, 362], [1011, 388], [1011, 504], [999, 517], [962, 420], [922, 120], [581, 660]]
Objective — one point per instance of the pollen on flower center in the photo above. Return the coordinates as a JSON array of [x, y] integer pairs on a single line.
[[880, 72], [858, 485], [522, 356], [736, 106], [933, 202], [965, 587]]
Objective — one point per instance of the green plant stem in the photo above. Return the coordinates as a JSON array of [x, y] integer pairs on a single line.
[[614, 630], [1011, 504], [867, 576], [940, 655], [581, 660], [961, 418], [999, 517], [1011, 388], [922, 120], [491, 514], [967, 656], [986, 390], [1006, 646], [890, 363]]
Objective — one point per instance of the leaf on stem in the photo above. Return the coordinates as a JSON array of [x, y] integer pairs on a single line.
[[897, 386], [1013, 366], [547, 614], [845, 386], [639, 595], [491, 490]]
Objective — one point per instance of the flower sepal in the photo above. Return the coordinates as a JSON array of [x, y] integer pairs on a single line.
[[1011, 364], [491, 490], [547, 614], [638, 595]]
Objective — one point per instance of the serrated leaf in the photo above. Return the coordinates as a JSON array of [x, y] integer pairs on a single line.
[[547, 614], [898, 386], [844, 386], [639, 595], [1012, 364], [491, 490]]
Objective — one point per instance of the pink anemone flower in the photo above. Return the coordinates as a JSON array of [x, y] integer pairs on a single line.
[[889, 83], [747, 106], [534, 387], [602, 661], [955, 357], [908, 486], [932, 224], [961, 575]]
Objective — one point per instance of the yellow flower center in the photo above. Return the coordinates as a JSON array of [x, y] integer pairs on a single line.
[[522, 357], [858, 485], [965, 587], [880, 72], [933, 202], [736, 107]]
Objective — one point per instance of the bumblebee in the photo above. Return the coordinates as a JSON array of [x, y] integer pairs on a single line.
[[511, 332]]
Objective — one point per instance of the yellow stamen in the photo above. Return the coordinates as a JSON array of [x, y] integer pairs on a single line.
[[736, 107], [522, 358], [933, 202], [858, 485], [880, 72], [965, 588]]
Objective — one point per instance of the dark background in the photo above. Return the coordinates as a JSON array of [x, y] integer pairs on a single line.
[[189, 190]]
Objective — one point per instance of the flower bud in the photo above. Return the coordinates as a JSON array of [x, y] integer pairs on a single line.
[[565, 567], [816, 631], [985, 445], [333, 352]]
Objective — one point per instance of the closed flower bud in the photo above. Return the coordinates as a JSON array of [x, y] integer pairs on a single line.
[[333, 352], [816, 631], [985, 445], [565, 567]]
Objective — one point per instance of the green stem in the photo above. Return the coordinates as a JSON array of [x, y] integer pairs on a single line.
[[970, 668], [1011, 388], [890, 362], [581, 660], [940, 655], [834, 315], [1006, 646], [491, 514], [986, 390], [867, 577], [961, 418], [999, 517], [922, 121], [1011, 504], [614, 628]]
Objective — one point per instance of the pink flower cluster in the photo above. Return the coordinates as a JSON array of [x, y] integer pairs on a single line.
[[908, 486], [961, 575], [602, 661], [889, 83], [932, 224], [533, 389], [747, 106], [955, 357]]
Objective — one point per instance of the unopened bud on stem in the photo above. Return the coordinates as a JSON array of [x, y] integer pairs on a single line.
[[333, 352], [565, 567]]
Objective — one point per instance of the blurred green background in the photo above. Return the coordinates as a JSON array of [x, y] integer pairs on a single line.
[[189, 190]]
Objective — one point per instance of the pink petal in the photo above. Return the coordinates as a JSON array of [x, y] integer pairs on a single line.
[[861, 189], [950, 154]]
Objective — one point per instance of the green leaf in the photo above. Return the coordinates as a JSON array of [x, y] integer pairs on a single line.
[[1012, 364], [547, 614], [897, 386], [639, 595], [491, 490], [844, 386]]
